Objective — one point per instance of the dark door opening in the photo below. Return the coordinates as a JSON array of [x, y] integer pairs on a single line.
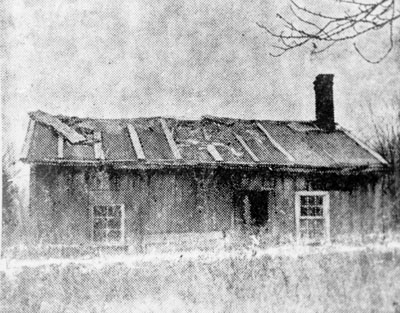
[[253, 206]]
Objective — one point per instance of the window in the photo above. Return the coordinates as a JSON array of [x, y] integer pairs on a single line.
[[108, 224], [312, 216]]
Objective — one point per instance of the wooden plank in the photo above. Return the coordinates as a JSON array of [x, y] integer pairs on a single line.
[[364, 146], [136, 142], [246, 147], [98, 146], [214, 153], [28, 139], [60, 146], [61, 128], [170, 139], [335, 214], [357, 218], [288, 227], [345, 210], [157, 212], [297, 214], [275, 143], [380, 211]]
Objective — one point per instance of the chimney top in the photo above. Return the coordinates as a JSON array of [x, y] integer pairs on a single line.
[[324, 77], [324, 106]]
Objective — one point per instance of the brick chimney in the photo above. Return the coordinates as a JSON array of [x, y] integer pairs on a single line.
[[324, 110]]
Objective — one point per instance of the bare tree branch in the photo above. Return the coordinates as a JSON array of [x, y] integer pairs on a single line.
[[308, 26]]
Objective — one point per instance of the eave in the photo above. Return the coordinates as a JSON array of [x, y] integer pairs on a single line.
[[177, 165]]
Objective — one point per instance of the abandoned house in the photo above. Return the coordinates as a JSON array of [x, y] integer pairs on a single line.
[[142, 181]]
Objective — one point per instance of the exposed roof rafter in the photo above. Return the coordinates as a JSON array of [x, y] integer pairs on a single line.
[[70, 134], [98, 146], [214, 153], [246, 147], [60, 148], [136, 142], [170, 139], [275, 143]]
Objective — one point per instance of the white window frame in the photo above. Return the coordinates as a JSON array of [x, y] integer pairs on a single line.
[[325, 215], [106, 242]]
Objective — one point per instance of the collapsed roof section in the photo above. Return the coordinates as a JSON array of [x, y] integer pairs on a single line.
[[143, 142], [49, 120]]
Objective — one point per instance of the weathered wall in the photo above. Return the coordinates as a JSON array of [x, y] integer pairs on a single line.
[[168, 202], [155, 202], [357, 212], [283, 219], [59, 205]]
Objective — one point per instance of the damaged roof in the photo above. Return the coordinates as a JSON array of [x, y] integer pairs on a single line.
[[207, 141]]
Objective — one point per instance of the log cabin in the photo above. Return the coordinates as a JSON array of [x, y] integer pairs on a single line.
[[143, 182]]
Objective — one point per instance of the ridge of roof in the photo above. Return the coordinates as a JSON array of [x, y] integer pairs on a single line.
[[214, 118]]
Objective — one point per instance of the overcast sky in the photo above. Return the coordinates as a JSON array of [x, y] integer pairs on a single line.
[[130, 58]]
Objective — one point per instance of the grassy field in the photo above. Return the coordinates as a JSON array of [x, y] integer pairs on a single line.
[[338, 280]]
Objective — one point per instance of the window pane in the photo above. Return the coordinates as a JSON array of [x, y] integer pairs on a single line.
[[311, 205], [304, 228], [100, 211], [110, 211], [99, 235], [114, 211], [312, 229], [99, 223], [118, 212], [316, 229], [318, 211], [310, 211], [114, 223], [114, 235]]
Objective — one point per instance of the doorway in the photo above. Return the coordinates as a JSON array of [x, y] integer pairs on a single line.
[[253, 207]]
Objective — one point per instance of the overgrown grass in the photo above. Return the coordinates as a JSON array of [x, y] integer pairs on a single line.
[[363, 281]]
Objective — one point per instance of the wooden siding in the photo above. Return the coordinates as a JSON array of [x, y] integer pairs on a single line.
[[189, 201]]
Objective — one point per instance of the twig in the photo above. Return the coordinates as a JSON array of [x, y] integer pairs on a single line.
[[330, 29]]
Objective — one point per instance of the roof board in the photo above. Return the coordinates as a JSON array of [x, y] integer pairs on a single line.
[[193, 140], [57, 125]]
